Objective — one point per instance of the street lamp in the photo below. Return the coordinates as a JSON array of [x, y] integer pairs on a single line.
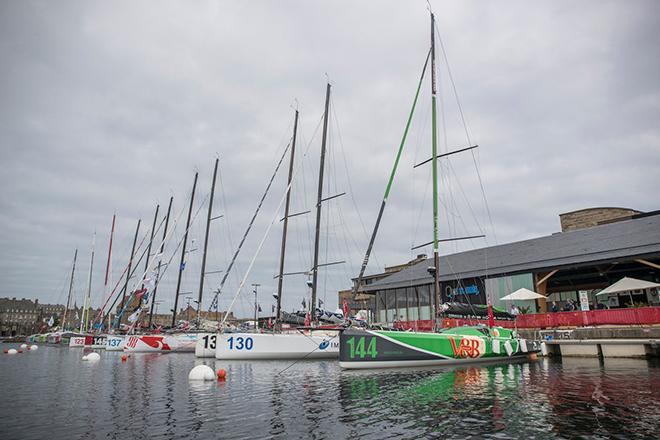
[[256, 307]]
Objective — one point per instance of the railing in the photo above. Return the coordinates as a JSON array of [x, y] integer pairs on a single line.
[[633, 316]]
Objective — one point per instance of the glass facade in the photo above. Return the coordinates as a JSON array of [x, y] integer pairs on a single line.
[[502, 286], [403, 304]]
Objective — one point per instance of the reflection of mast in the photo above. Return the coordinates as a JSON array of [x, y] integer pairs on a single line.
[[68, 298]]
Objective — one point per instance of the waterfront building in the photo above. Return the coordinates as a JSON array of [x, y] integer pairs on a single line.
[[596, 247], [365, 301], [23, 316]]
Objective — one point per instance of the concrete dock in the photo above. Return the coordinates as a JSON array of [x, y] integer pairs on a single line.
[[603, 342]]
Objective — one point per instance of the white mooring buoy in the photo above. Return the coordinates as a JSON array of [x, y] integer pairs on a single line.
[[23, 346], [34, 348], [12, 351], [92, 357], [201, 372]]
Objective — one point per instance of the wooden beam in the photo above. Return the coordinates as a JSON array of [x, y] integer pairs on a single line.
[[545, 278], [648, 263]]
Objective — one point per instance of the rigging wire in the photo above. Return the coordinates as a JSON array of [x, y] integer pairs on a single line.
[[263, 240], [214, 302]]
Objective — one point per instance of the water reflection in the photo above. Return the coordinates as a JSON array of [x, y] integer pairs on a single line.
[[149, 396]]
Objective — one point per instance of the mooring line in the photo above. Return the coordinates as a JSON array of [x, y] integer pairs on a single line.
[[305, 357]]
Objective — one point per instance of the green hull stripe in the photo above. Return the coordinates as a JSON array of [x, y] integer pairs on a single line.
[[439, 344]]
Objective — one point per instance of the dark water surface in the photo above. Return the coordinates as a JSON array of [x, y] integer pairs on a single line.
[[53, 394]]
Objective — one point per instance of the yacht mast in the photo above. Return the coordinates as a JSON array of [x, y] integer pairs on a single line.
[[160, 252], [285, 227], [183, 252], [434, 143], [206, 239], [68, 298], [130, 263], [319, 201], [88, 299]]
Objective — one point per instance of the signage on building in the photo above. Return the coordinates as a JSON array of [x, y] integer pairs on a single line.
[[584, 300], [467, 290]]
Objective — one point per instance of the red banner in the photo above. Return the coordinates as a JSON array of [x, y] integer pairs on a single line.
[[638, 316]]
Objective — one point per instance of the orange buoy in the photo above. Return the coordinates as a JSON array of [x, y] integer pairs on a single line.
[[5, 350], [20, 351], [124, 357], [222, 374]]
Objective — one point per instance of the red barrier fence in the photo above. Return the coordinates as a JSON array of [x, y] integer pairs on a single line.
[[635, 316]]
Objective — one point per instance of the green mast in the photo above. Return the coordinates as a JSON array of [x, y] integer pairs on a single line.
[[436, 259], [356, 286]]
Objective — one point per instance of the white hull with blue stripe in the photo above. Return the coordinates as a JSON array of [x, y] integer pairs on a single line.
[[274, 346]]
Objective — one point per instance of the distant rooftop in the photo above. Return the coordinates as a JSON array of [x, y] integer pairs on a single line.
[[636, 236]]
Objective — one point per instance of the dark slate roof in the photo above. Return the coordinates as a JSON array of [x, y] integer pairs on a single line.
[[638, 237]]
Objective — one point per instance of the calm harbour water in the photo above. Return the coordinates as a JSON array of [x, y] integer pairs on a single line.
[[52, 393]]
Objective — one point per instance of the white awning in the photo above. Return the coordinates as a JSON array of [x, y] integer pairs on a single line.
[[627, 284], [521, 294]]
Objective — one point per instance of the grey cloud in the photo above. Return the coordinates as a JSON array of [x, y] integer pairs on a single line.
[[112, 106]]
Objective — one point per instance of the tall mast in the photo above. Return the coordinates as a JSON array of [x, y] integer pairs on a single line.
[[206, 238], [365, 261], [436, 259], [68, 298], [151, 240], [286, 221], [315, 269], [183, 252], [160, 252], [130, 263], [89, 288], [107, 264]]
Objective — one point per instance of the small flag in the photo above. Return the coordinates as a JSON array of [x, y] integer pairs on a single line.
[[150, 282], [183, 266], [320, 303], [345, 306], [140, 293], [304, 304], [308, 320], [491, 318], [272, 308], [51, 321], [77, 317], [270, 322], [258, 307], [134, 316]]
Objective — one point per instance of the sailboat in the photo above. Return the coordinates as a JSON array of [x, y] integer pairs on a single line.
[[166, 342], [367, 348], [84, 338], [307, 343]]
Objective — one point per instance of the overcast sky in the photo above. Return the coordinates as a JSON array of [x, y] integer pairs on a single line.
[[112, 106]]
